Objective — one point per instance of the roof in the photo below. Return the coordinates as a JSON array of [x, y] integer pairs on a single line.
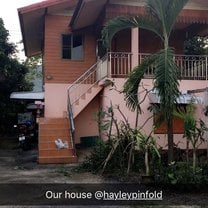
[[184, 98], [86, 13], [28, 95], [32, 22], [81, 17]]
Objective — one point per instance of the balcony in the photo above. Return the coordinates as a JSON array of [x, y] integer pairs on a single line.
[[192, 67]]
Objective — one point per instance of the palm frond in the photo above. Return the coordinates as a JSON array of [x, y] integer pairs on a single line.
[[119, 23], [148, 23], [166, 81], [173, 10], [133, 82], [156, 8], [113, 26], [165, 12]]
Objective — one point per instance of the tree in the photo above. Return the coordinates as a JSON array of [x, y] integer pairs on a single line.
[[32, 63], [160, 18], [196, 46], [194, 130], [12, 78]]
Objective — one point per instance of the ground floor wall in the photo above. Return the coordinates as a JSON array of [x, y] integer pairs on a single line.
[[86, 124], [55, 100], [56, 107], [113, 96]]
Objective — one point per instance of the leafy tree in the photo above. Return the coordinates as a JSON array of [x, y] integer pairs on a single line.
[[160, 18], [196, 46], [12, 78], [32, 63]]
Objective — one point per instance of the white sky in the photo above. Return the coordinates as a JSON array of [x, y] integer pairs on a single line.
[[9, 14]]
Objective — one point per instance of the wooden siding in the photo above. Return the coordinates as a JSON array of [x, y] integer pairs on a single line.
[[61, 70], [151, 43], [191, 15], [148, 41]]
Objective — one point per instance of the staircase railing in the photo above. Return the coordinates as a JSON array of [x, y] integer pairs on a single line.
[[82, 85], [71, 123]]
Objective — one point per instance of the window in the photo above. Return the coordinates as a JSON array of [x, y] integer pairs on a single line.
[[178, 126], [178, 123], [72, 47]]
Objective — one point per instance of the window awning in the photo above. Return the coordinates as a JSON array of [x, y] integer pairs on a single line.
[[28, 95], [182, 99]]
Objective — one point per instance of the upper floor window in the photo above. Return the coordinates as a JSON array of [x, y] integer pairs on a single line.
[[72, 47]]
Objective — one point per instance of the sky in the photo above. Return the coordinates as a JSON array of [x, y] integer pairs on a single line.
[[9, 14]]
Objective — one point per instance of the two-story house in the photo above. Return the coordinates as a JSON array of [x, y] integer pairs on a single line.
[[67, 33]]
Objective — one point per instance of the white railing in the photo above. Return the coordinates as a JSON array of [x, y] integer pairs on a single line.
[[119, 64], [191, 67], [91, 77], [81, 86]]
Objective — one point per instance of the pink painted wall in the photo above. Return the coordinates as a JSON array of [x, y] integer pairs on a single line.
[[117, 98], [55, 100], [56, 107], [85, 122]]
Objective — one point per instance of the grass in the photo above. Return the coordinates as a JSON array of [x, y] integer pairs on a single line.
[[64, 171]]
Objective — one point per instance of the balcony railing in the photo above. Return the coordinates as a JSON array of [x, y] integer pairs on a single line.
[[192, 67]]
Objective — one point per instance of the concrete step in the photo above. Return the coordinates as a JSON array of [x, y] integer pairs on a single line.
[[51, 129], [50, 145], [55, 152], [49, 138], [57, 160], [53, 132], [44, 121]]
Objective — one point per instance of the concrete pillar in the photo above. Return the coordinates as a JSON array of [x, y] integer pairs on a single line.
[[135, 46]]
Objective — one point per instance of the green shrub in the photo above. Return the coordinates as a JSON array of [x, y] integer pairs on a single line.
[[118, 163], [181, 173], [94, 162]]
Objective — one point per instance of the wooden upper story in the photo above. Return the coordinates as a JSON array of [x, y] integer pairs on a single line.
[[67, 33]]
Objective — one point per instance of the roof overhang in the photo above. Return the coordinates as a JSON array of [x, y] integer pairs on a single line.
[[32, 20], [86, 13], [182, 99], [28, 95]]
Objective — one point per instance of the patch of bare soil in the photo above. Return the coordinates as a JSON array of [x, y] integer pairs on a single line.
[[18, 166]]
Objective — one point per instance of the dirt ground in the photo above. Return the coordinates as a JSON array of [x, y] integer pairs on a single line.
[[18, 166], [21, 167]]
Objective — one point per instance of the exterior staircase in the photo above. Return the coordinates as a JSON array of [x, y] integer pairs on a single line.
[[80, 94], [85, 99], [50, 130], [86, 87]]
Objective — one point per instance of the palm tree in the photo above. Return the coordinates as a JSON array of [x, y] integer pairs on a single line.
[[159, 18]]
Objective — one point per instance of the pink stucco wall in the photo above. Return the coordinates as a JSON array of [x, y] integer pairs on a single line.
[[86, 123], [113, 96], [55, 100], [56, 107]]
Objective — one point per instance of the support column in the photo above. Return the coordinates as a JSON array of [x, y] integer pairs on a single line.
[[134, 47]]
